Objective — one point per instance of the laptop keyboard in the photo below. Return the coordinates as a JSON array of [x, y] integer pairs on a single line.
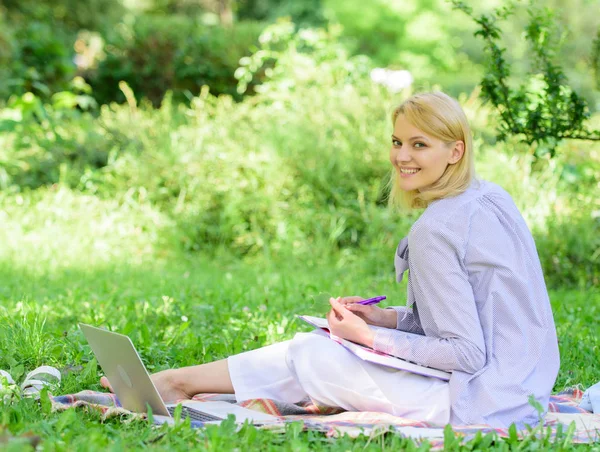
[[194, 414]]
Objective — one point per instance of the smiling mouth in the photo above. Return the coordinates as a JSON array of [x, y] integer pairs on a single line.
[[409, 170]]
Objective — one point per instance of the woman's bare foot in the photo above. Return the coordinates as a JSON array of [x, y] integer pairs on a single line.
[[167, 383], [106, 384], [170, 386]]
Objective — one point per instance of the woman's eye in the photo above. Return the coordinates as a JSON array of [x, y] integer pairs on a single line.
[[396, 143], [418, 144]]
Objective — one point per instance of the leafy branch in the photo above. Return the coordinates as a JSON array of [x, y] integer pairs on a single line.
[[545, 109]]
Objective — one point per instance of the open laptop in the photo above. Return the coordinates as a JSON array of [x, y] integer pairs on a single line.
[[133, 386]]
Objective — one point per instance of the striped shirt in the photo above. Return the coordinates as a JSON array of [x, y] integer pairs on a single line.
[[477, 306]]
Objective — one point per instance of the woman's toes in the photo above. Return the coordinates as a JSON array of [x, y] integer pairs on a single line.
[[106, 384]]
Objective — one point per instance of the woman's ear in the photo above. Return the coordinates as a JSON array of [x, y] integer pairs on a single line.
[[458, 151]]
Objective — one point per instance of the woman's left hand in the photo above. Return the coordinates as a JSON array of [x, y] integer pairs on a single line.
[[347, 325]]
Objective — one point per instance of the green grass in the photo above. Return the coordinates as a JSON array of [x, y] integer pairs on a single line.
[[69, 257], [187, 310]]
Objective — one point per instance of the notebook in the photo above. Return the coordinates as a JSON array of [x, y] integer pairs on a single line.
[[373, 356]]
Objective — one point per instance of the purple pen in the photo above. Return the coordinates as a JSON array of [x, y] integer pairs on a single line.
[[370, 301]]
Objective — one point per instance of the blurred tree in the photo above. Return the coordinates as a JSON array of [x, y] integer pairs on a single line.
[[578, 22], [424, 37], [154, 54], [37, 41], [190, 8], [223, 9], [437, 46], [575, 23], [595, 58], [544, 109], [302, 13], [71, 15], [34, 57]]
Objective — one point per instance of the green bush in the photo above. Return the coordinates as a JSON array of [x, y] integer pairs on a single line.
[[37, 40], [6, 53], [292, 165], [160, 53], [570, 250], [45, 143], [34, 57], [299, 167], [305, 13], [68, 16], [569, 240]]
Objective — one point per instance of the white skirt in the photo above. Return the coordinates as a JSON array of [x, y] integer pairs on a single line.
[[315, 367]]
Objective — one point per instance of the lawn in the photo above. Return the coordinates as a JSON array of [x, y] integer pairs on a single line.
[[183, 309]]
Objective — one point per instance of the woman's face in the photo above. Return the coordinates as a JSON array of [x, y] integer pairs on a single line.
[[420, 159]]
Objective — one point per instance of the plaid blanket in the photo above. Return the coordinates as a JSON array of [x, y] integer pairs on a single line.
[[563, 410]]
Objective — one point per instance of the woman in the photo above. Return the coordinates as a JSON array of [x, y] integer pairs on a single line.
[[477, 303]]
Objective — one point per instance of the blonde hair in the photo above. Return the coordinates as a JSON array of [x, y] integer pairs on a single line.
[[441, 117]]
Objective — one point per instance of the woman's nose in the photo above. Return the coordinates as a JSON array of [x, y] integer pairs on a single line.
[[402, 155]]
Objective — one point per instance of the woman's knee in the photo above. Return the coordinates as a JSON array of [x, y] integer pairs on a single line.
[[311, 354]]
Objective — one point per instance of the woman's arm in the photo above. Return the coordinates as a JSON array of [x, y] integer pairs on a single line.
[[447, 311], [405, 320], [394, 317]]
